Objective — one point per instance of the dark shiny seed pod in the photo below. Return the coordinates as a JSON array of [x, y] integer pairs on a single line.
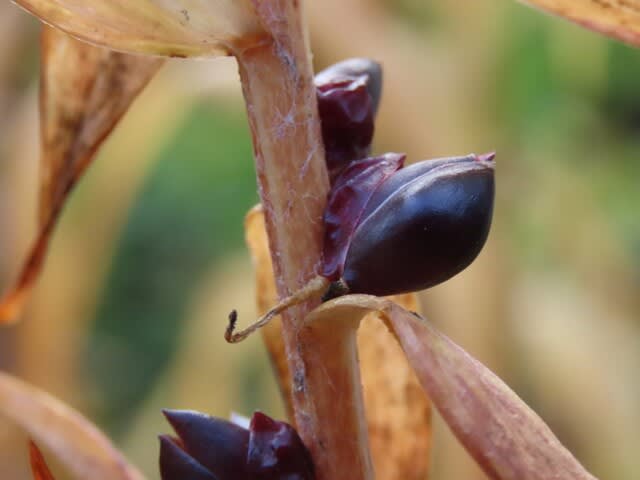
[[276, 451], [177, 464], [356, 68], [218, 445], [348, 94], [209, 448], [411, 229]]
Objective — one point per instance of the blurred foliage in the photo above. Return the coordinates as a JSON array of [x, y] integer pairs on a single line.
[[187, 216], [582, 125], [415, 14]]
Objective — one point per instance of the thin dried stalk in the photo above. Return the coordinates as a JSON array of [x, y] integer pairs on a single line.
[[277, 82]]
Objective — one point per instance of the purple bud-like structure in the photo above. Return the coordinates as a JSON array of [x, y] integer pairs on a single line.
[[198, 433], [276, 452], [348, 96], [356, 68], [391, 230], [209, 448]]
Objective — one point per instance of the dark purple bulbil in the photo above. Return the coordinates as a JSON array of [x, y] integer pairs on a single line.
[[276, 452], [390, 229], [348, 200], [209, 448], [356, 68], [348, 96], [414, 228]]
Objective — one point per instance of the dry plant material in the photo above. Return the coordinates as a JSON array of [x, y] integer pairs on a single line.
[[173, 28], [507, 439], [619, 19], [397, 409], [85, 90], [39, 466], [398, 412], [75, 441]]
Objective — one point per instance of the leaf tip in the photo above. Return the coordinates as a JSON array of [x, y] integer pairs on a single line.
[[11, 306]]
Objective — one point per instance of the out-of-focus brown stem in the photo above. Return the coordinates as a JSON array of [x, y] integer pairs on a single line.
[[277, 80]]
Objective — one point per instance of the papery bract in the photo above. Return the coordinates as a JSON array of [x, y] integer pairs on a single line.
[[507, 439], [173, 28]]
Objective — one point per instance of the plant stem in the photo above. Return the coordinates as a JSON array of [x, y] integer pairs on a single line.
[[277, 80]]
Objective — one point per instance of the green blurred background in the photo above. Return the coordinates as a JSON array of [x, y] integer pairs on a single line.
[[149, 256]]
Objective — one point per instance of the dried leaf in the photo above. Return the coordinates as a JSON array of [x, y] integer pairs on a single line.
[[507, 439], [614, 18], [38, 464], [398, 413], [85, 90], [174, 28], [75, 441]]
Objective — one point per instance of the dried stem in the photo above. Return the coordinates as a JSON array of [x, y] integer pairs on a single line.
[[277, 80]]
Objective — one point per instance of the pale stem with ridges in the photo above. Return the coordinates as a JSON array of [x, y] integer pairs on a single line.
[[277, 80]]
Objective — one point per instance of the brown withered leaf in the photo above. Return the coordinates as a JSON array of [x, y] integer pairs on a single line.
[[619, 19], [39, 466], [85, 90], [398, 413], [75, 441], [174, 28], [507, 439]]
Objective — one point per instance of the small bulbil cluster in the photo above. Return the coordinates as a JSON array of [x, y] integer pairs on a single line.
[[348, 96], [209, 448], [391, 229]]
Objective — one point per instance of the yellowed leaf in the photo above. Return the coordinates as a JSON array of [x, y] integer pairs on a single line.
[[616, 18], [397, 410], [39, 466], [507, 439], [75, 441], [174, 28], [85, 90]]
